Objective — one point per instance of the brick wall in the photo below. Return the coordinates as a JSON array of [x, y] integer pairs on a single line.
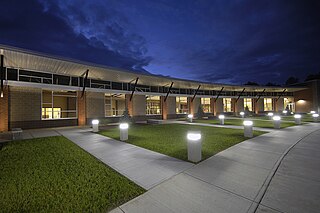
[[4, 110], [82, 113]]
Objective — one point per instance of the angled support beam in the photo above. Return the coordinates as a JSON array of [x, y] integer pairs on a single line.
[[84, 82], [1, 76], [195, 93], [134, 88], [240, 94], [260, 95], [165, 99], [281, 94], [218, 94]]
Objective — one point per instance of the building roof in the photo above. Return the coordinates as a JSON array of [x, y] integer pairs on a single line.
[[30, 60]]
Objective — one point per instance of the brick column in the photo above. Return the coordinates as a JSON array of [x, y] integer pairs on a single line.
[[233, 105], [82, 113], [129, 104], [4, 110], [190, 105], [212, 106], [164, 108], [274, 104]]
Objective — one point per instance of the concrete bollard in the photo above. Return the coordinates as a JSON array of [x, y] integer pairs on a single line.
[[315, 117], [297, 119], [248, 129], [194, 146], [123, 131], [242, 114], [270, 114], [95, 125], [221, 118], [276, 122], [190, 117]]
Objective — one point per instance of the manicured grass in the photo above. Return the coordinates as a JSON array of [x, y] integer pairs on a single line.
[[239, 122], [54, 175], [170, 139]]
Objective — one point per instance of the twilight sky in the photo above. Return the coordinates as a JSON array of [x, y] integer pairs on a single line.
[[209, 40]]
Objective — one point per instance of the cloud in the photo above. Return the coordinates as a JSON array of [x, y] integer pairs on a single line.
[[42, 27]]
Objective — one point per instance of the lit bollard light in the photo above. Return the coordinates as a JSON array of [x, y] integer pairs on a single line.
[[190, 117], [270, 114], [242, 114], [194, 146], [315, 117], [285, 112], [95, 125], [248, 132], [276, 121], [123, 131], [221, 118], [297, 119], [312, 112]]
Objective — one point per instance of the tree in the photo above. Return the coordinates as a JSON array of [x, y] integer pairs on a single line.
[[200, 114], [251, 83], [313, 77], [292, 80], [125, 118]]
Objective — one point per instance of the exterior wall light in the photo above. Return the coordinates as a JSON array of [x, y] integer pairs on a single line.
[[190, 116], [242, 114], [95, 125], [248, 129], [124, 131], [301, 101], [221, 118], [276, 121], [297, 119], [194, 146]]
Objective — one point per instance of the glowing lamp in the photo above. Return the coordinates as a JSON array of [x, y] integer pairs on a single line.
[[190, 116], [297, 116], [276, 118], [284, 111], [315, 115], [194, 146], [124, 126], [221, 116], [270, 114], [247, 123], [241, 113], [95, 122], [194, 136], [312, 112]]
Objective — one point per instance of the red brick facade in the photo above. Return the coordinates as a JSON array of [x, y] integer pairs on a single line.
[[4, 110]]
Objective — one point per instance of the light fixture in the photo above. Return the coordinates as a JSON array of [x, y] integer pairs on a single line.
[[194, 136], [190, 116], [312, 112], [221, 116], [297, 116], [247, 123], [315, 115], [276, 118], [124, 126], [94, 122], [270, 114], [284, 111], [241, 113]]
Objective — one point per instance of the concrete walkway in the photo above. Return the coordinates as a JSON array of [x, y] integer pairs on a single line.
[[248, 177], [144, 167]]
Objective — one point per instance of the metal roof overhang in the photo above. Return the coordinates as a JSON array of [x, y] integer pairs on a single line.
[[29, 60]]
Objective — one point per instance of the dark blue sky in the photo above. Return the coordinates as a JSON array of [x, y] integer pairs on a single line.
[[210, 40]]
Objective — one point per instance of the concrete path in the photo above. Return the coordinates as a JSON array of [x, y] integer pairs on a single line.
[[144, 167], [248, 177]]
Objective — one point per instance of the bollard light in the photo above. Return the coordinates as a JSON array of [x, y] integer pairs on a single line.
[[242, 114], [315, 117], [270, 114], [221, 118], [248, 129], [276, 121], [284, 111], [312, 112], [194, 146], [95, 125], [297, 119], [190, 116], [123, 131]]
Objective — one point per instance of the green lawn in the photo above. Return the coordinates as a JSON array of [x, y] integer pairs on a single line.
[[239, 122], [54, 175], [170, 139]]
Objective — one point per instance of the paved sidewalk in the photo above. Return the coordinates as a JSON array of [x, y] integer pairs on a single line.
[[142, 166], [235, 180]]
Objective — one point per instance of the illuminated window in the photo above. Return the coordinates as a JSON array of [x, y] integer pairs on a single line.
[[59, 104], [182, 105], [205, 102], [247, 102], [115, 104], [153, 106], [289, 104], [227, 105], [268, 104]]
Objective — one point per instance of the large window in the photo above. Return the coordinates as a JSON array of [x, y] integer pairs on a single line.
[[205, 103], [182, 105], [115, 104], [59, 104], [153, 105], [247, 103], [268, 104], [227, 105]]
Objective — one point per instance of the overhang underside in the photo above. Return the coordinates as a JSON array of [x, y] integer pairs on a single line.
[[22, 59]]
